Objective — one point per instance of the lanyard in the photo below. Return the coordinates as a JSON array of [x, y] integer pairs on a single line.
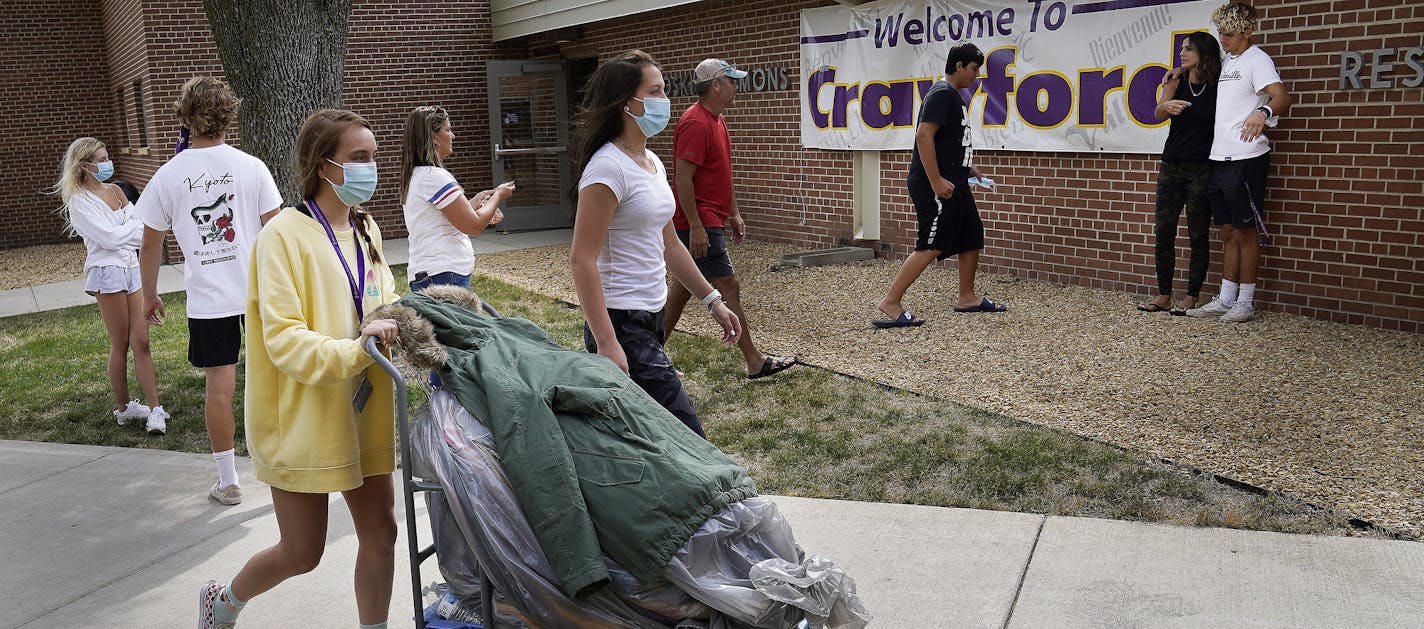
[[358, 283]]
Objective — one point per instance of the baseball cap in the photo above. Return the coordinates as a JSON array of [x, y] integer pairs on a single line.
[[712, 68]]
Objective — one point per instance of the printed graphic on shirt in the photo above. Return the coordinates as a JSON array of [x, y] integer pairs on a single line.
[[373, 286], [966, 141], [214, 221]]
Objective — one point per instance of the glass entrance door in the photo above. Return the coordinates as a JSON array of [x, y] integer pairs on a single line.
[[529, 131]]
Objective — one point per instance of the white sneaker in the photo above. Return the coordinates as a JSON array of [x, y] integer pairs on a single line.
[[1211, 310], [133, 411], [157, 421], [230, 495], [1242, 311]]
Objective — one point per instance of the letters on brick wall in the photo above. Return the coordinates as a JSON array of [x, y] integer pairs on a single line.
[[1057, 76]]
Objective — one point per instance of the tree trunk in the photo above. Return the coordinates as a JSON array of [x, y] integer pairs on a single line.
[[285, 59]]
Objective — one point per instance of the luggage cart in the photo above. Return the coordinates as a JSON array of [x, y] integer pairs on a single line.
[[411, 486]]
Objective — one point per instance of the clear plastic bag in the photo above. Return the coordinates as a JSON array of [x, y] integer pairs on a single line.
[[709, 582]]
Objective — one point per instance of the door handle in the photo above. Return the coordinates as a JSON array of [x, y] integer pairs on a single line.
[[548, 150]]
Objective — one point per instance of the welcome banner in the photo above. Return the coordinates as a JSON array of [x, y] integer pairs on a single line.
[[1057, 76]]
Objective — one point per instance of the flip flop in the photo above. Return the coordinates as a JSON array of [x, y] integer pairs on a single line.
[[774, 364], [905, 320], [1178, 311], [1151, 306], [984, 306]]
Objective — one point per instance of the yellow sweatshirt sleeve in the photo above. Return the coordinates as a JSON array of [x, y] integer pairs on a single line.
[[286, 283]]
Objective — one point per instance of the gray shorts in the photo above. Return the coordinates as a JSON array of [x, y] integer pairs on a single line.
[[102, 280]]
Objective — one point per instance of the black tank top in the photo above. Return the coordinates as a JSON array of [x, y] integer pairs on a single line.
[[1189, 138]]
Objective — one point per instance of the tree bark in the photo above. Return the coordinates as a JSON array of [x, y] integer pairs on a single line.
[[285, 59]]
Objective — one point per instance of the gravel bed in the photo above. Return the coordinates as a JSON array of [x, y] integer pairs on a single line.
[[41, 264], [1327, 412]]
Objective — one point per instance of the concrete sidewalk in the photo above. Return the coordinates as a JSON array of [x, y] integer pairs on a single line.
[[58, 295], [98, 536]]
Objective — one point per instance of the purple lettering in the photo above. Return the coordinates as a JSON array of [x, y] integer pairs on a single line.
[[1142, 94], [901, 97], [889, 30], [1057, 104], [1093, 86], [845, 95], [997, 84], [913, 30], [936, 32], [819, 78]]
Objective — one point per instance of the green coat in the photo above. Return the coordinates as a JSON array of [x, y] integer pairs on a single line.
[[598, 465]]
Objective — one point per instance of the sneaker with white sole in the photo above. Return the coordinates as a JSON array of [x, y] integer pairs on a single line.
[[210, 596], [134, 410], [157, 421], [1211, 310], [230, 495], [1241, 311]]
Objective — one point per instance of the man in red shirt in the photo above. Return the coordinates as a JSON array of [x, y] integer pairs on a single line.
[[702, 176]]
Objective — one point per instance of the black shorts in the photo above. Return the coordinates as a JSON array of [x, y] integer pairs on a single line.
[[951, 225], [716, 263], [1237, 193], [214, 342]]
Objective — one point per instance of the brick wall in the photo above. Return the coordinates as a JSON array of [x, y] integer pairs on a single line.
[[1345, 202], [1345, 195], [53, 72]]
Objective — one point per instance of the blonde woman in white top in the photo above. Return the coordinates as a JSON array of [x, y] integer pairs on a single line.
[[101, 214]]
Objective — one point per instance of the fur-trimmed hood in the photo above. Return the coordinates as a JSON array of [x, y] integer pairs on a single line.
[[417, 337]]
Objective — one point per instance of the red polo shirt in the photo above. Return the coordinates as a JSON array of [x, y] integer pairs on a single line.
[[701, 138]]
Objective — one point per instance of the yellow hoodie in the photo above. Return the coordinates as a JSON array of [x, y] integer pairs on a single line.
[[304, 363]]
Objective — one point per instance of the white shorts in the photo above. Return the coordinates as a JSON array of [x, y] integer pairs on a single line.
[[112, 279]]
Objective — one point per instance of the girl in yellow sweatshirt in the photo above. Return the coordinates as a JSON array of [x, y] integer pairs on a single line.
[[316, 270]]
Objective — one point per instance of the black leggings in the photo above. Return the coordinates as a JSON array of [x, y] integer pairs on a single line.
[[1183, 183]]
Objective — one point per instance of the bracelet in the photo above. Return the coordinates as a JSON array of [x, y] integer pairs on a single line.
[[1266, 109], [712, 299]]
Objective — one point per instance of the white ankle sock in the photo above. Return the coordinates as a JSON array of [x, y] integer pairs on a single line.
[[1228, 292], [1248, 292], [227, 467]]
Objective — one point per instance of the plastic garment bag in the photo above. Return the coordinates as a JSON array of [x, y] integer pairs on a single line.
[[740, 569], [453, 448], [744, 562]]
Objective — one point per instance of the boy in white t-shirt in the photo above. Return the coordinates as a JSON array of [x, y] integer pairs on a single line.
[[1249, 97], [214, 198]]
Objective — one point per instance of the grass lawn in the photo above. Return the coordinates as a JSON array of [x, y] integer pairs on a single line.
[[806, 432]]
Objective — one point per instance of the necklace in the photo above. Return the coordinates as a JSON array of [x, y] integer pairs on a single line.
[[639, 157], [1193, 90]]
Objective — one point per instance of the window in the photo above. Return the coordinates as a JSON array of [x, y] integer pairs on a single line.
[[140, 120]]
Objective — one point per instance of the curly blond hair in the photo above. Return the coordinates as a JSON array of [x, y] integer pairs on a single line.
[[1234, 18], [206, 105]]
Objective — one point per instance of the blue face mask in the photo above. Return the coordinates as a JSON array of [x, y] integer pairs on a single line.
[[656, 112], [359, 183], [106, 170]]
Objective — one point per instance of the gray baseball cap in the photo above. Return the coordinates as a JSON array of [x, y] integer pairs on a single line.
[[712, 68]]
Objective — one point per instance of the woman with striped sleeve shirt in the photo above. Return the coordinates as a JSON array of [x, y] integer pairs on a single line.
[[438, 217]]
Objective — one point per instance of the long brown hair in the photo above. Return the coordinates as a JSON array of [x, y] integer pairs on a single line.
[[1208, 56], [418, 142], [316, 143], [600, 115]]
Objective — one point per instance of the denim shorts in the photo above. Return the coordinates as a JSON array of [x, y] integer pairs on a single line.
[[447, 278], [102, 280]]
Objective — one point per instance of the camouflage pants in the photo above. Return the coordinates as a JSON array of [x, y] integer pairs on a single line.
[[1183, 183]]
